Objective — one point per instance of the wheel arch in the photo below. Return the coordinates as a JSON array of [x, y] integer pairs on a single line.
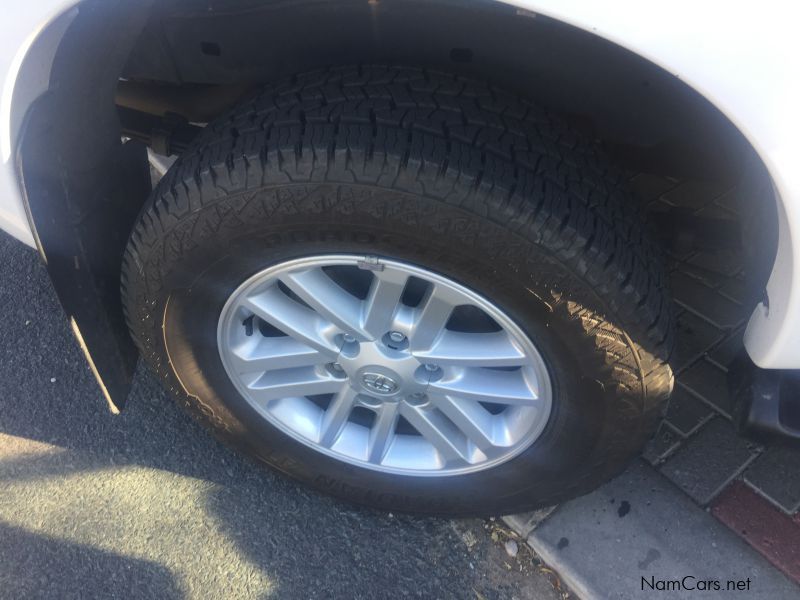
[[103, 40]]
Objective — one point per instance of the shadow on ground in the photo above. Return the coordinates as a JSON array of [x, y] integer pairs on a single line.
[[75, 567], [147, 504]]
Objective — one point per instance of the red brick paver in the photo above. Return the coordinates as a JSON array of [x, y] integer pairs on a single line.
[[771, 532]]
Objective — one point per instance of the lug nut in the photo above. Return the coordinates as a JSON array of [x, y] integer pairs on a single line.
[[431, 367], [348, 338], [396, 336], [336, 369], [416, 399]]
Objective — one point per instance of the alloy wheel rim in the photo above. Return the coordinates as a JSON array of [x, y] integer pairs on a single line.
[[385, 365]]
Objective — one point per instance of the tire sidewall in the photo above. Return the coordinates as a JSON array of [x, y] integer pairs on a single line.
[[513, 272]]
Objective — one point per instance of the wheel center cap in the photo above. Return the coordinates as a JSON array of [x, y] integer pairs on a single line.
[[379, 383]]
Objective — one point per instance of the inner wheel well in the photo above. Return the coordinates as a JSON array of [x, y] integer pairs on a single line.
[[181, 58]]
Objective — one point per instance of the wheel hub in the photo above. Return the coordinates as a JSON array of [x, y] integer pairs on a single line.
[[379, 384], [445, 381], [375, 369]]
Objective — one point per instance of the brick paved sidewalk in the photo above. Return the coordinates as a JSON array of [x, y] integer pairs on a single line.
[[753, 490]]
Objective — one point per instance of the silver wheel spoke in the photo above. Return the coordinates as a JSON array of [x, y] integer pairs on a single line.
[[291, 318], [288, 383], [384, 365], [485, 385], [334, 418], [382, 301], [470, 417], [438, 431], [382, 432], [327, 298], [474, 350], [432, 315], [267, 354]]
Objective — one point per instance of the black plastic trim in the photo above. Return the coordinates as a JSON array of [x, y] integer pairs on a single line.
[[767, 402], [83, 187]]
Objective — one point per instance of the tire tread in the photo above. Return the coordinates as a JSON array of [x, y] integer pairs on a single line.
[[459, 141]]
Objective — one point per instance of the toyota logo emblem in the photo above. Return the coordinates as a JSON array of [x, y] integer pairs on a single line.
[[380, 384]]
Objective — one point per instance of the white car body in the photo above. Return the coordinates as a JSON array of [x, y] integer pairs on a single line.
[[745, 59]]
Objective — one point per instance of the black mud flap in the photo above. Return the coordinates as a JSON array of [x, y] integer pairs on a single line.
[[766, 402], [81, 236], [83, 187]]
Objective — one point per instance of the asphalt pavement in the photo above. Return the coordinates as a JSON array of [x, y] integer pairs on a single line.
[[147, 505]]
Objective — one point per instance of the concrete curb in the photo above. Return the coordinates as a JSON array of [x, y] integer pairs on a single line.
[[641, 527]]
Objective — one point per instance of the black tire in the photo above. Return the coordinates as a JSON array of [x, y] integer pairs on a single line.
[[450, 174]]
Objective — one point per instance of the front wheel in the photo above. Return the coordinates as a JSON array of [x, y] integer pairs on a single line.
[[445, 311]]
